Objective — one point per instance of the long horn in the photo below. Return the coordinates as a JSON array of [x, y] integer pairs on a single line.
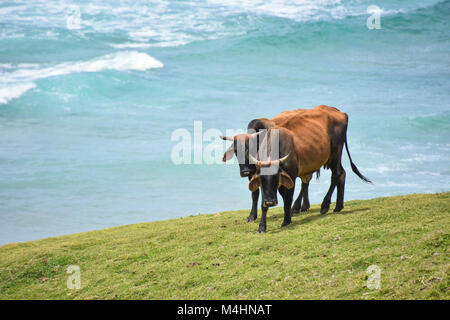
[[255, 134], [258, 163], [251, 136], [252, 158], [285, 158], [271, 162], [226, 138]]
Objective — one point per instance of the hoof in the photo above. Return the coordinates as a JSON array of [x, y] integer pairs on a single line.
[[324, 210], [251, 219], [337, 209], [285, 223], [262, 229], [295, 211]]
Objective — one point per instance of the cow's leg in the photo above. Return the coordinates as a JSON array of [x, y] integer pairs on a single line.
[[327, 200], [305, 205], [297, 203], [262, 223], [340, 190], [302, 202], [337, 171], [288, 195], [305, 187], [254, 212]]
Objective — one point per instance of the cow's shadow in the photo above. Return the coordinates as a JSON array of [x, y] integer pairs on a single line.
[[355, 210], [312, 215]]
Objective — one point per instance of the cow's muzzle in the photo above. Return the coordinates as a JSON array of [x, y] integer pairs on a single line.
[[271, 203], [245, 173]]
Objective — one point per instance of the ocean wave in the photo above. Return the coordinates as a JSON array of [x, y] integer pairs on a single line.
[[162, 23], [394, 184], [299, 10], [17, 82], [10, 92], [163, 44], [124, 60]]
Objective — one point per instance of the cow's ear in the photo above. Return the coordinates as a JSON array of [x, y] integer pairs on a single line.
[[229, 153], [254, 183], [285, 180]]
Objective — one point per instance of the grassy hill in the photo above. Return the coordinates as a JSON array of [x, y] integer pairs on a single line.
[[221, 256]]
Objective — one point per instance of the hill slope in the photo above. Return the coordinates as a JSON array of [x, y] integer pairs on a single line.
[[221, 256]]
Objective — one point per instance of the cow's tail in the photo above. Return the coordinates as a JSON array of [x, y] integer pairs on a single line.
[[354, 168]]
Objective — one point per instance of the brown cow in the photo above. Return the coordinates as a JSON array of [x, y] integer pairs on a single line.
[[241, 142], [307, 141]]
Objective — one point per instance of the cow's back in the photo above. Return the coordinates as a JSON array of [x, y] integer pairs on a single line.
[[285, 115], [263, 123], [312, 130]]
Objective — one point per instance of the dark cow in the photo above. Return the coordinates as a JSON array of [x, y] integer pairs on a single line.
[[242, 141], [307, 141]]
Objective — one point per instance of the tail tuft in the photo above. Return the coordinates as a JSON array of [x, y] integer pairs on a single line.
[[356, 171], [354, 168]]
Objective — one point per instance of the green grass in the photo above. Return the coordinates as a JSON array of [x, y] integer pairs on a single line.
[[221, 256]]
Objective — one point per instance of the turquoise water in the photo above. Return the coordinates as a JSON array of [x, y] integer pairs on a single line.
[[88, 101]]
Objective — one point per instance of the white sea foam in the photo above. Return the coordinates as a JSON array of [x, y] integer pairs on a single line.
[[124, 60], [15, 83], [14, 91], [299, 10], [168, 22], [390, 183], [5, 66], [148, 45]]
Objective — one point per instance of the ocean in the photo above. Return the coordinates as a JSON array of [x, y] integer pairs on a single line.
[[91, 93]]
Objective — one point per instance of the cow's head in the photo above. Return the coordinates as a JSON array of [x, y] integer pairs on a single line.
[[243, 144], [271, 174]]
